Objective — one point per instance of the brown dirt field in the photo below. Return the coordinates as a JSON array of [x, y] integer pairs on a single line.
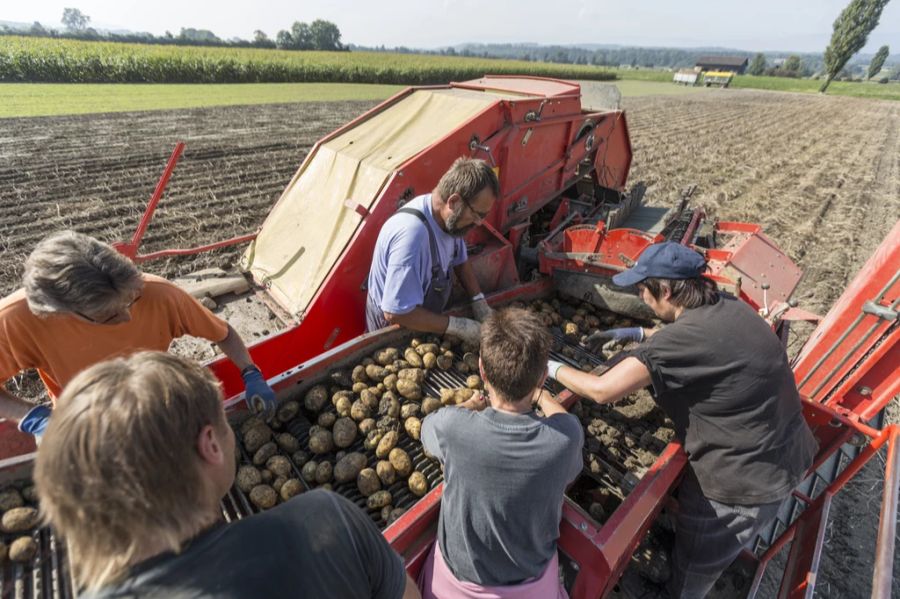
[[821, 174]]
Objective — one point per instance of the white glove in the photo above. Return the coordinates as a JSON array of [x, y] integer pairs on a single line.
[[481, 308], [466, 329], [553, 368]]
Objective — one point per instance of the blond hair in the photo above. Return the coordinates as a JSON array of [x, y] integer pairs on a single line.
[[71, 272], [118, 462], [468, 177]]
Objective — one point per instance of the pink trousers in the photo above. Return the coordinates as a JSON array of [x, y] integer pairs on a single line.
[[438, 582]]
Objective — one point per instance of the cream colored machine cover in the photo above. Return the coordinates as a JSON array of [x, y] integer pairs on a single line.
[[310, 225]]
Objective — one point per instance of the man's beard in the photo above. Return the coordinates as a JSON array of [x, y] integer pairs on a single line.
[[452, 229]]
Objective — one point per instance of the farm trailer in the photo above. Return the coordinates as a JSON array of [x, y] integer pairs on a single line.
[[564, 224]]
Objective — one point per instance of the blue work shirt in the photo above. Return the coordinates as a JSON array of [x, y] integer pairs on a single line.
[[401, 266]]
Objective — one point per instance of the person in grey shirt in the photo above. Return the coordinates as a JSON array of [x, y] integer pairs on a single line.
[[506, 469]]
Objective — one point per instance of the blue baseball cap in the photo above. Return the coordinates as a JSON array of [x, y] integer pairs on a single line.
[[667, 260]]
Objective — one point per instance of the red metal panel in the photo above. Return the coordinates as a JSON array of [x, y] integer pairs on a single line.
[[532, 86], [803, 560]]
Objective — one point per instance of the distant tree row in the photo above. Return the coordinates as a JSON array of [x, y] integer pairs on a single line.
[[318, 35]]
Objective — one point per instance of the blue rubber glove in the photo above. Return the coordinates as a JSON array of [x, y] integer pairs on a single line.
[[595, 340], [36, 420], [259, 395]]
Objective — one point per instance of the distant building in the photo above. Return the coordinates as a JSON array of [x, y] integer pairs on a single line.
[[735, 64]]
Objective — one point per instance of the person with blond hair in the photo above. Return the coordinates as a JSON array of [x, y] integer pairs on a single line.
[[83, 302], [131, 472], [506, 469], [409, 281]]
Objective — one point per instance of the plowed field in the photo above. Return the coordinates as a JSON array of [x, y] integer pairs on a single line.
[[821, 174]]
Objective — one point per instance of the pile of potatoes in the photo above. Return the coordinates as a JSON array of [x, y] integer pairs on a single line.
[[374, 405], [20, 518], [271, 477]]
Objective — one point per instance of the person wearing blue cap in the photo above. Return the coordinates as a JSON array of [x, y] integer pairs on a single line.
[[723, 378]]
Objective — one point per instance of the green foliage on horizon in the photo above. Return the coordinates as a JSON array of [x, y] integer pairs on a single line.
[[29, 59], [758, 65], [878, 61], [851, 31]]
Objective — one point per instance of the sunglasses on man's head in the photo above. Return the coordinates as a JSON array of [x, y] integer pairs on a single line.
[[111, 318]]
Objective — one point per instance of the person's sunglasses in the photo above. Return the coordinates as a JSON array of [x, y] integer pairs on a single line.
[[111, 318], [478, 215]]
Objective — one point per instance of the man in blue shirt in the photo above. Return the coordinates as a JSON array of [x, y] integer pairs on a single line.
[[409, 282]]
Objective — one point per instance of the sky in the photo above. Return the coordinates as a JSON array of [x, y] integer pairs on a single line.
[[796, 25]]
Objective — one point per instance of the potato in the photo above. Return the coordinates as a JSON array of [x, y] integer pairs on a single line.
[[448, 397], [413, 427], [390, 382], [429, 405], [287, 442], [373, 439], [415, 342], [462, 367], [445, 362], [349, 467], [571, 329], [400, 365], [264, 453], [324, 472], [429, 360], [378, 500], [249, 423], [376, 372], [417, 483], [471, 360], [414, 359], [386, 473], [386, 356], [360, 410], [358, 387], [10, 498], [22, 549], [395, 514], [409, 410], [19, 519], [389, 406], [427, 348], [315, 398], [359, 374], [29, 494], [267, 476], [368, 482], [321, 441], [309, 471], [386, 512], [463, 395], [247, 477], [279, 465], [399, 459], [287, 411], [278, 482], [263, 496], [388, 423], [416, 375], [387, 443], [370, 397], [409, 389], [343, 406], [256, 437], [300, 458], [344, 432], [474, 382], [366, 426], [291, 488], [326, 419]]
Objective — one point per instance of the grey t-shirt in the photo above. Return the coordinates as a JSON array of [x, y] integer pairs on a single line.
[[504, 479], [315, 545], [722, 376]]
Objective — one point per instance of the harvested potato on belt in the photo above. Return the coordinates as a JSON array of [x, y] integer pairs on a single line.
[[386, 444], [315, 398], [263, 496], [417, 483], [349, 467], [367, 481], [344, 432], [399, 459], [413, 427], [379, 499]]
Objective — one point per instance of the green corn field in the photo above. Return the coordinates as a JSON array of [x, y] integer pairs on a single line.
[[31, 59]]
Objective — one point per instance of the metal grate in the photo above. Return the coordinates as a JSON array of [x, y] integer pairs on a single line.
[[47, 575]]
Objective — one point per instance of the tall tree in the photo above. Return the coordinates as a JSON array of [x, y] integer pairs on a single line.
[[74, 19], [878, 61], [301, 36], [325, 35], [792, 66], [758, 65], [851, 31]]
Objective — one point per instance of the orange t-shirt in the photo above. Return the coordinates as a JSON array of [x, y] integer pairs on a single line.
[[60, 346]]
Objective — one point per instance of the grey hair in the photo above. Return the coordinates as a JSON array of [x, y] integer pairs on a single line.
[[71, 272], [468, 177]]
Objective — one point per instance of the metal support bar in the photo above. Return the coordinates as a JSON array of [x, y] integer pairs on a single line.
[[882, 578]]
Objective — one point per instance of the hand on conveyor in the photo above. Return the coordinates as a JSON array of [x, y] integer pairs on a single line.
[[481, 308], [595, 341], [36, 421], [258, 394], [466, 329]]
